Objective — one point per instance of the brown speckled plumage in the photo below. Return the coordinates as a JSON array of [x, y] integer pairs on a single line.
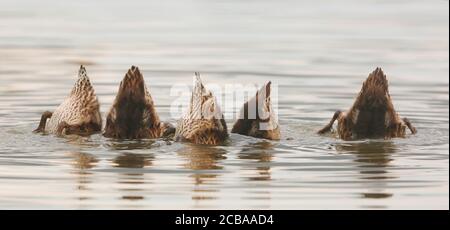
[[78, 114], [257, 117], [204, 122], [133, 114], [372, 114]]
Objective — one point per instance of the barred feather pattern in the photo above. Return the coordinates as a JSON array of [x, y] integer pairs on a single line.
[[204, 122], [133, 114]]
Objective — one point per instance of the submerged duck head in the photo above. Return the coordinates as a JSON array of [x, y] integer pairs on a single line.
[[133, 114], [373, 114], [257, 117], [203, 104], [204, 122]]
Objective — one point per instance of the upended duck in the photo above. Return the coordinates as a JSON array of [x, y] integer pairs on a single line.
[[257, 117], [372, 114], [78, 114], [133, 114], [204, 122]]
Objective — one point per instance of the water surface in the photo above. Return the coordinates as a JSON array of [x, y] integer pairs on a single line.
[[317, 53]]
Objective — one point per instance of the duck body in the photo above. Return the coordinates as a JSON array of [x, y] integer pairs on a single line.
[[78, 114], [372, 115], [204, 122], [133, 114], [257, 117]]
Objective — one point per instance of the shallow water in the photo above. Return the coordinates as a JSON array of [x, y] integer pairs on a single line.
[[317, 53]]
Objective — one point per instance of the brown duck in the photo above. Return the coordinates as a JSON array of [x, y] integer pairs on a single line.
[[372, 115], [204, 122], [257, 117], [133, 114], [78, 114]]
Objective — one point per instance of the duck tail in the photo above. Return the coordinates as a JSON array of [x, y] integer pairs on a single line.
[[133, 109], [83, 85], [375, 91], [377, 79], [133, 82]]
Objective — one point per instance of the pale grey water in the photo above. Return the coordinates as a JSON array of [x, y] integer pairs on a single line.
[[317, 52]]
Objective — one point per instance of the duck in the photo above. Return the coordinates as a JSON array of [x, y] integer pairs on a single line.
[[372, 115], [257, 117], [204, 122], [78, 114], [133, 114]]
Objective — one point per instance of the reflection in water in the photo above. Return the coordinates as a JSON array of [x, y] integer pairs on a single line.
[[373, 158], [82, 162], [199, 158], [131, 160], [81, 141], [131, 183], [262, 153]]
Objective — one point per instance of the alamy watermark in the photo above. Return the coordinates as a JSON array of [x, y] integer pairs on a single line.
[[215, 100]]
